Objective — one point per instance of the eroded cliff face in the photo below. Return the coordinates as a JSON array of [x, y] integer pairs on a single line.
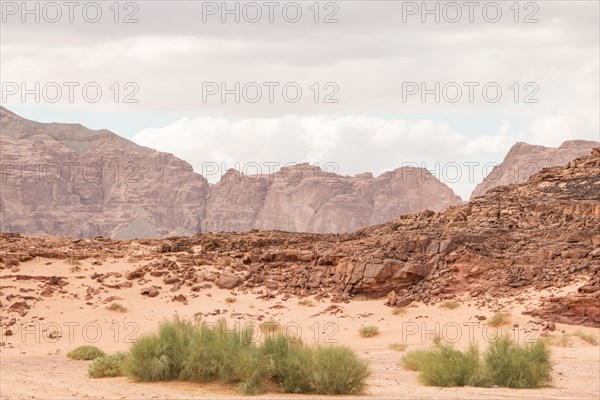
[[305, 198], [524, 160], [541, 234], [65, 179]]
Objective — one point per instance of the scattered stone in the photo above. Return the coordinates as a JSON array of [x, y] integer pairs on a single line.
[[151, 291]]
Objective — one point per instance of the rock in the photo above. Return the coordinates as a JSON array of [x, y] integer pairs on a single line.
[[137, 274], [181, 298], [391, 298], [151, 291], [227, 281], [20, 307], [403, 302], [170, 199], [171, 279], [523, 160], [79, 197]]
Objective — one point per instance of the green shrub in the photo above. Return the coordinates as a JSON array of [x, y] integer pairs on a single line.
[[274, 351], [337, 370], [269, 327], [214, 353], [499, 319], [450, 305], [296, 368], [85, 353], [587, 337], [562, 340], [505, 363], [519, 366], [203, 353], [368, 331], [398, 310], [413, 360], [397, 346], [117, 307], [445, 366], [107, 366], [159, 356]]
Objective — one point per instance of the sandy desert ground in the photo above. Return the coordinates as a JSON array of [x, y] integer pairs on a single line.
[[34, 365]]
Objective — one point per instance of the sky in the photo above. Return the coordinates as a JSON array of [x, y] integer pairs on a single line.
[[352, 86]]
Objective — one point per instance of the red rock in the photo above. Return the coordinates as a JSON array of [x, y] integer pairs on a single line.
[[151, 291]]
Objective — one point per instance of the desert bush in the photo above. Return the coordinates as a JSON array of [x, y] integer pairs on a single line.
[[368, 331], [230, 300], [519, 366], [269, 327], [413, 360], [214, 353], [85, 353], [317, 370], [562, 340], [398, 311], [306, 302], [295, 370], [505, 363], [205, 353], [160, 356], [450, 305], [337, 370], [117, 307], [587, 337], [397, 346], [499, 319], [107, 366], [446, 366]]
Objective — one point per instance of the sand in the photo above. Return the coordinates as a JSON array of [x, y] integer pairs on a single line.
[[34, 365]]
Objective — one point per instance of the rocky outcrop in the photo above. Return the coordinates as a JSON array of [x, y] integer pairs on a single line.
[[524, 160], [538, 235], [65, 179], [304, 198]]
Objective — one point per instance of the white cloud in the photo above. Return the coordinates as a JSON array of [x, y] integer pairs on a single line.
[[368, 54], [355, 143]]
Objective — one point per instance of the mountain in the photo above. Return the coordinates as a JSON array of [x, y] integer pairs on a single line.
[[65, 179], [304, 198], [506, 246], [523, 160]]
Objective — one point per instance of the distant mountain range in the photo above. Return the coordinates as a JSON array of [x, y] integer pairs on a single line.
[[66, 179]]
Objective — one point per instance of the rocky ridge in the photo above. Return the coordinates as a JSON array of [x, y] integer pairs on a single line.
[[67, 180], [524, 160], [538, 235]]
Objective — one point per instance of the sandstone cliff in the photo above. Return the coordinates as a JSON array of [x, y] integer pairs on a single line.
[[65, 179], [524, 160], [305, 198]]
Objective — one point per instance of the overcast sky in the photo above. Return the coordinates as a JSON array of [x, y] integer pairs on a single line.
[[361, 77]]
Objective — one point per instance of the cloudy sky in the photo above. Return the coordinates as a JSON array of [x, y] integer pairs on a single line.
[[352, 85]]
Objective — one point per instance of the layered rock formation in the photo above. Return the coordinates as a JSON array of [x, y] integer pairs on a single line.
[[524, 160], [305, 198], [65, 179], [538, 235]]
